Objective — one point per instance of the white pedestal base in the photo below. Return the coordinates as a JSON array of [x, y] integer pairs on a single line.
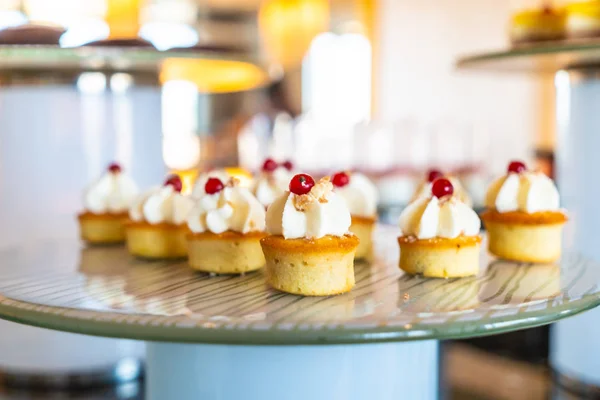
[[575, 343], [385, 371]]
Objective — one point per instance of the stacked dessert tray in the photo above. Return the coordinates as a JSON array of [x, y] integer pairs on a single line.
[[378, 341]]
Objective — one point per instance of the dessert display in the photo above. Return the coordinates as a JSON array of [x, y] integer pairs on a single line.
[[227, 224], [157, 226], [523, 218], [360, 196], [440, 235], [106, 202], [309, 250], [273, 181], [424, 188], [539, 24]]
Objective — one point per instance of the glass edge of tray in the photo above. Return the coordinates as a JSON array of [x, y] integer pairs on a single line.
[[538, 57], [99, 57], [98, 324]]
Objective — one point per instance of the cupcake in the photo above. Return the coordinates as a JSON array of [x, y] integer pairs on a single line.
[[583, 19], [273, 181], [440, 235], [227, 224], [157, 226], [106, 202], [424, 188], [536, 25], [360, 195], [523, 218], [309, 250]]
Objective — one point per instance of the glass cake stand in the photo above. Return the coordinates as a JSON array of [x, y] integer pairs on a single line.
[[232, 336]]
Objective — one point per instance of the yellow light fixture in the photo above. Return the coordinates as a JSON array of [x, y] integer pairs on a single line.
[[289, 26], [214, 76], [122, 17]]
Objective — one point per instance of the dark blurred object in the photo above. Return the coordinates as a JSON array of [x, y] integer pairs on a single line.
[[544, 159], [133, 42], [472, 374], [125, 391], [529, 345], [279, 99], [565, 388], [31, 34], [209, 48]]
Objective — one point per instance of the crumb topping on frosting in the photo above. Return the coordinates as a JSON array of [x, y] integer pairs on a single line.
[[318, 193]]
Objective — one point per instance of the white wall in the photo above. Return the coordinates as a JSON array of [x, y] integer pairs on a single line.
[[418, 43]]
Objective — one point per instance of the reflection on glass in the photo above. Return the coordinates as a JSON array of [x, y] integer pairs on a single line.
[[438, 295], [507, 282]]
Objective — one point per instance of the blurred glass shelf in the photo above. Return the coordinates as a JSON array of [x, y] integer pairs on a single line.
[[212, 69], [97, 57], [546, 57]]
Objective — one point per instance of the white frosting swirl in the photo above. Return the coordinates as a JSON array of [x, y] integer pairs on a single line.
[[231, 209], [424, 190], [527, 191], [360, 195], [112, 193], [198, 189], [316, 214], [161, 204], [271, 185], [448, 217]]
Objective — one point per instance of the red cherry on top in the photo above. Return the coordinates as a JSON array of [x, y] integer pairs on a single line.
[[442, 187], [213, 185], [340, 179], [301, 184], [288, 165], [269, 165], [433, 174], [517, 167], [114, 168], [175, 181]]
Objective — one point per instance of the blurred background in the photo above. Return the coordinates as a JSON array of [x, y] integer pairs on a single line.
[[368, 85]]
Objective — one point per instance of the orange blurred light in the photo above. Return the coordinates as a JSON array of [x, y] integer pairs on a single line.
[[214, 76], [122, 17], [289, 26]]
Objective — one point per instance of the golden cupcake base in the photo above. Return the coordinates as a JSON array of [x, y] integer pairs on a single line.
[[537, 25], [102, 228], [225, 253], [362, 228], [310, 267], [523, 237], [440, 257], [159, 241], [583, 20]]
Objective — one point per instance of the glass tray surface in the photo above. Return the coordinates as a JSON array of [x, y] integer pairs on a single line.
[[104, 291]]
